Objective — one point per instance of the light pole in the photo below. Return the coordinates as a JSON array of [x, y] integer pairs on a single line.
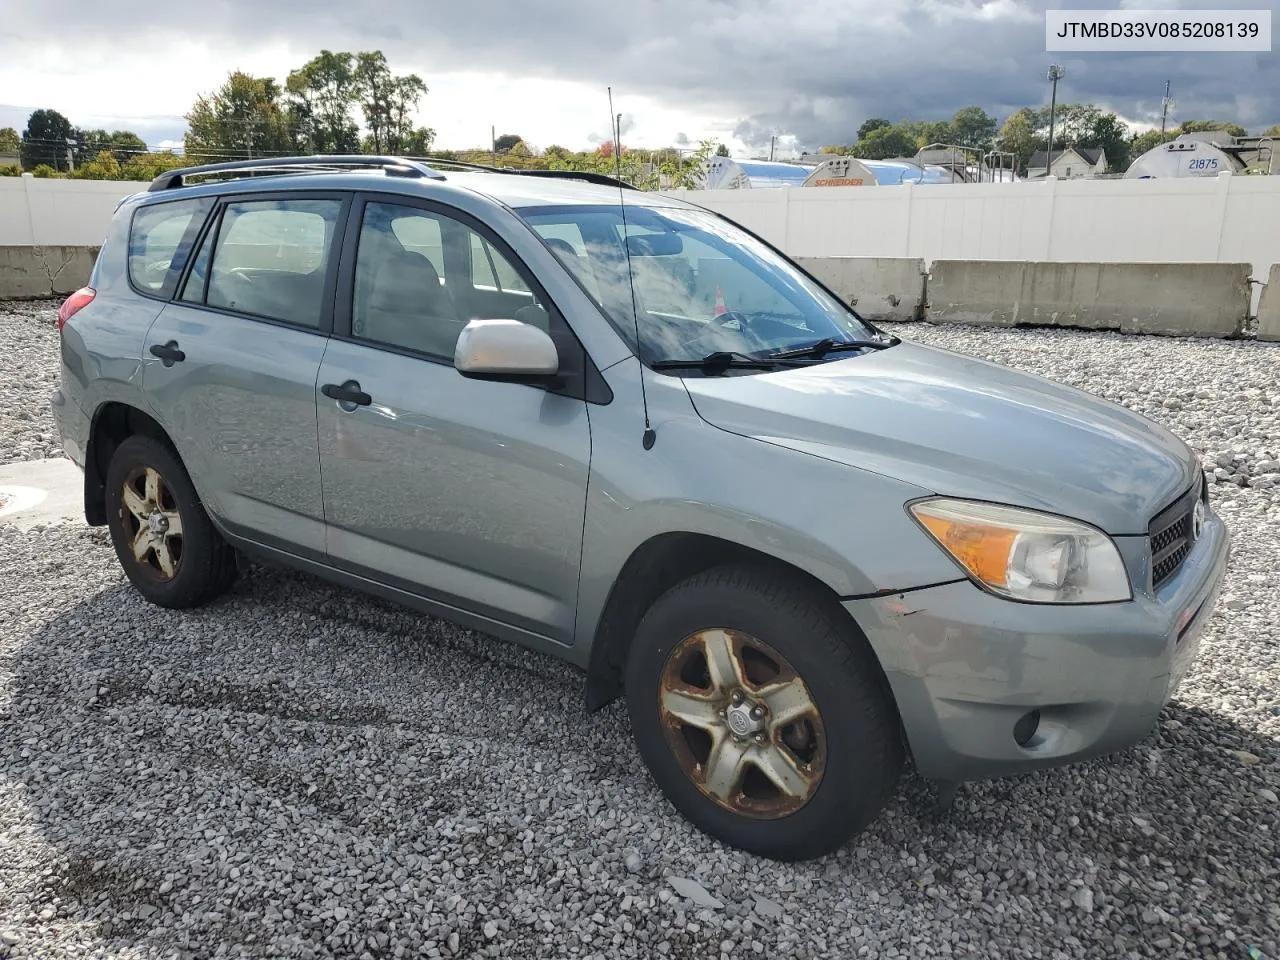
[[1056, 73], [1165, 104]]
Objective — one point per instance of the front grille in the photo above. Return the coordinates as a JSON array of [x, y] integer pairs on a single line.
[[1171, 535]]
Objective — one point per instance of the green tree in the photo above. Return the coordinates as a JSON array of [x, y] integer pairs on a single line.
[[148, 166], [44, 142], [722, 151], [10, 140], [121, 143], [388, 103], [104, 166], [506, 142], [884, 143], [322, 94], [1207, 126], [43, 170], [1020, 135], [1269, 132], [243, 118], [971, 127], [872, 124]]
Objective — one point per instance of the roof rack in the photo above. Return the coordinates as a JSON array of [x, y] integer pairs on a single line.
[[585, 176], [394, 166]]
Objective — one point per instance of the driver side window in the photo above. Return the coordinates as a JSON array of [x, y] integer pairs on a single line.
[[421, 276]]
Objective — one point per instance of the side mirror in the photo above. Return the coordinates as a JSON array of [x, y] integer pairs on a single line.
[[506, 350]]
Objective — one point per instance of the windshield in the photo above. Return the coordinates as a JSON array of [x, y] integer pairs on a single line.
[[701, 285]]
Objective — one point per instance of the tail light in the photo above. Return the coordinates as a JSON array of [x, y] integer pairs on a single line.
[[74, 304]]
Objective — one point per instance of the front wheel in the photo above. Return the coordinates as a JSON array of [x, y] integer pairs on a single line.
[[764, 720]]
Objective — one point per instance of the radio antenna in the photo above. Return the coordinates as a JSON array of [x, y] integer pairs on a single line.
[[615, 121]]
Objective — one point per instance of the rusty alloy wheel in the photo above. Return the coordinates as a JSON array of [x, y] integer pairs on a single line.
[[152, 522], [742, 724]]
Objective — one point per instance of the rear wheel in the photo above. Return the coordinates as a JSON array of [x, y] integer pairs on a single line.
[[765, 721], [162, 535]]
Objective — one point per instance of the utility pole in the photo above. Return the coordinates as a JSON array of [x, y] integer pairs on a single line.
[[772, 141], [493, 142], [1056, 73], [1165, 104]]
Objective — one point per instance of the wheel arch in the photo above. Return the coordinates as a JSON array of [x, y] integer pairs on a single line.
[[659, 564], [113, 422]]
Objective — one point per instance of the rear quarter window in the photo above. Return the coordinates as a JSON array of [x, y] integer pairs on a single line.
[[160, 239]]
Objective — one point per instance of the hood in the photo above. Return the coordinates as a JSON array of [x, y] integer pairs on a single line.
[[963, 427]]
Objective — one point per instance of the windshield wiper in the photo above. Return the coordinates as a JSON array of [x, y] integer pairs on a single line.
[[719, 362], [830, 345]]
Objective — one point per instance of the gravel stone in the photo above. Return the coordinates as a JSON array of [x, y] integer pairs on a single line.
[[299, 771]]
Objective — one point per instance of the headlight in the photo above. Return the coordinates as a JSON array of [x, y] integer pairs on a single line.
[[1027, 555]]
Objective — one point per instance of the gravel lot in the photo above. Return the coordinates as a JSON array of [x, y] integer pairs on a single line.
[[300, 771]]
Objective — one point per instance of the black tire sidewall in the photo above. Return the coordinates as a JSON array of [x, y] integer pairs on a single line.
[[200, 542], [863, 755]]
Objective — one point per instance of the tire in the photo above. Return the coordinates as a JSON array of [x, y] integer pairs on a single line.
[[840, 762], [200, 565]]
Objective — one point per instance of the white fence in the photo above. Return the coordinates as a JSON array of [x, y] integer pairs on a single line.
[[58, 213], [1223, 219]]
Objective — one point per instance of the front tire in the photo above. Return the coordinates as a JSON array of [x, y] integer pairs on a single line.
[[761, 715], [162, 535]]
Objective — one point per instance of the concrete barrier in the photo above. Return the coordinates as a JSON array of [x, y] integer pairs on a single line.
[[44, 271], [1176, 299], [1269, 307], [879, 288]]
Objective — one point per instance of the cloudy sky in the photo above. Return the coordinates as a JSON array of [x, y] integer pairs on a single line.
[[809, 71]]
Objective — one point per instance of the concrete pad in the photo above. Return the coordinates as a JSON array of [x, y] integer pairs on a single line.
[[879, 288], [1269, 307], [38, 492]]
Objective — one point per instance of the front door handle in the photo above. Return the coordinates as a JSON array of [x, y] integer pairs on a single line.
[[168, 353], [348, 392]]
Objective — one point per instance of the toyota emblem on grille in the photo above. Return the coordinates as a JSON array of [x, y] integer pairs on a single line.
[[1197, 521]]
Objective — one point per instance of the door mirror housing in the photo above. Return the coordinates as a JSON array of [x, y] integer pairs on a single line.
[[506, 350]]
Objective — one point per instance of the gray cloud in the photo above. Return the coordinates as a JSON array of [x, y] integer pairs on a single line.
[[813, 71]]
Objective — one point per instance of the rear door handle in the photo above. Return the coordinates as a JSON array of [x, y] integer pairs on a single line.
[[168, 353], [348, 392]]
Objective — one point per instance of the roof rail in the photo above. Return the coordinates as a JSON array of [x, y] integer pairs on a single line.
[[394, 166], [587, 177]]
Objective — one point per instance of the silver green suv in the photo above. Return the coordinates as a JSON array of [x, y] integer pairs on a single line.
[[623, 430]]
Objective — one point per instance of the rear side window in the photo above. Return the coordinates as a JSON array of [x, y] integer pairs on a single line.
[[270, 259], [160, 238]]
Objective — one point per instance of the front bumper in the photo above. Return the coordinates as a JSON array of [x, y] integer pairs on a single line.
[[966, 666]]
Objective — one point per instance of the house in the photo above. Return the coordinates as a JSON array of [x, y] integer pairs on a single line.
[[1072, 163], [9, 159]]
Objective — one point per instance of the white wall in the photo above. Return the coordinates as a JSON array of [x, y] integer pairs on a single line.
[[1223, 219], [74, 213]]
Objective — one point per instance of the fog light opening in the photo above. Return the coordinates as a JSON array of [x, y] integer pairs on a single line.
[[1025, 729]]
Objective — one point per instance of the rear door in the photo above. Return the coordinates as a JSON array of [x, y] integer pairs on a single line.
[[230, 365]]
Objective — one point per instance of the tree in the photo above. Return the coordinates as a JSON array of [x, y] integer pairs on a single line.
[[971, 127], [874, 123], [505, 142], [121, 143], [1021, 137], [1269, 132], [44, 142], [722, 151], [884, 143], [148, 166], [388, 103], [322, 93], [10, 141], [242, 118], [1207, 126], [103, 166]]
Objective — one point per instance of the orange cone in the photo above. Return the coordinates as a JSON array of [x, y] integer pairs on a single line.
[[720, 307]]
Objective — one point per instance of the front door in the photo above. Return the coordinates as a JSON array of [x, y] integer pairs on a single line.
[[231, 364], [471, 493]]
